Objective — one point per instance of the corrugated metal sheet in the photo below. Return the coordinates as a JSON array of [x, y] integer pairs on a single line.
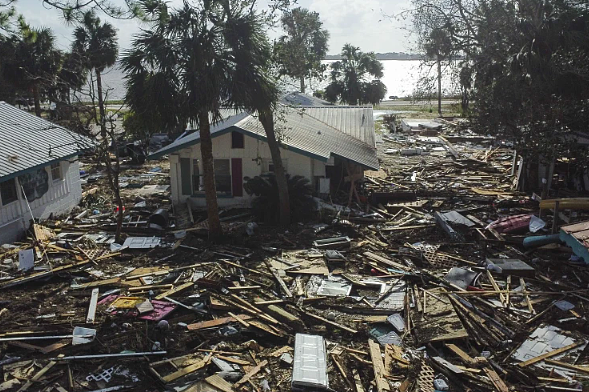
[[300, 132], [356, 121], [27, 142]]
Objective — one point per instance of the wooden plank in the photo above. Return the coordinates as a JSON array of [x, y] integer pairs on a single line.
[[496, 380], [578, 368], [330, 322], [341, 370], [239, 320], [550, 354], [251, 373], [188, 369], [383, 260], [495, 286], [174, 290], [378, 366], [37, 376], [218, 382], [522, 283], [357, 380], [92, 308], [234, 360], [283, 285], [467, 359], [216, 323]]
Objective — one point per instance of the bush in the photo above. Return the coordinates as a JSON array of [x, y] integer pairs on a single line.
[[266, 204]]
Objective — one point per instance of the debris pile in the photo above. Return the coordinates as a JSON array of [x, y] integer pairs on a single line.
[[446, 279]]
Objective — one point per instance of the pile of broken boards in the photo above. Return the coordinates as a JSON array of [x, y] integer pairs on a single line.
[[324, 307]]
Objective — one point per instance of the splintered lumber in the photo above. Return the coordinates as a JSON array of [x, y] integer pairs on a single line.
[[218, 382], [496, 380], [330, 322], [239, 320], [377, 364], [216, 323], [246, 305], [439, 321], [92, 308], [384, 260], [522, 283], [394, 352], [188, 369], [357, 380], [251, 373], [550, 354], [234, 360], [467, 359], [341, 370], [495, 286], [37, 376], [283, 285], [40, 275], [175, 290], [578, 368], [245, 268]]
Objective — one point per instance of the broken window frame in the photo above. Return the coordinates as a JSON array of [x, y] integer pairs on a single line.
[[5, 197], [56, 173], [237, 140], [223, 179]]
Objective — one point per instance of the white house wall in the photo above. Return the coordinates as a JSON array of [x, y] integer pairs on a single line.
[[253, 154], [60, 198]]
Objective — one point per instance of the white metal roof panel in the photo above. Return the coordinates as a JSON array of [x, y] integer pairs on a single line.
[[356, 121], [300, 132], [310, 362], [28, 142]]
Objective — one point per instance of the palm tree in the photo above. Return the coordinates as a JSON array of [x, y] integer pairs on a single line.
[[96, 44], [37, 62], [439, 47], [351, 78], [205, 56]]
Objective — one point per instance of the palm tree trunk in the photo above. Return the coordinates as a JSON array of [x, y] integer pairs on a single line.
[[101, 105], [37, 100], [206, 151], [267, 120], [302, 81], [439, 86], [113, 174]]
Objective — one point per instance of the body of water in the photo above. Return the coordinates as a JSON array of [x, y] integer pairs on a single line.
[[400, 76]]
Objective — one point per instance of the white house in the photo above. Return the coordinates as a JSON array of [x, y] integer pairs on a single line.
[[324, 144], [39, 170]]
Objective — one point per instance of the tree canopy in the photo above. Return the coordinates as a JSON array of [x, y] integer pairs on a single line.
[[525, 66], [300, 51], [206, 56], [355, 79]]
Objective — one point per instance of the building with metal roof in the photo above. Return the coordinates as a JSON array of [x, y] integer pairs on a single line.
[[321, 143], [39, 170]]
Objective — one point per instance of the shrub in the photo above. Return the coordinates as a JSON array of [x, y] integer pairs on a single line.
[[266, 204]]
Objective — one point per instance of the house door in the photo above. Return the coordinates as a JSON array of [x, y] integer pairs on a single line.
[[236, 177], [185, 179]]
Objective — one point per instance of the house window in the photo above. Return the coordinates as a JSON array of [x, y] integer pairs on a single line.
[[268, 166], [197, 178], [237, 140], [223, 175], [8, 192], [56, 171]]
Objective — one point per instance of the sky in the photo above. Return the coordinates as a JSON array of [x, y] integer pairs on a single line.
[[364, 23]]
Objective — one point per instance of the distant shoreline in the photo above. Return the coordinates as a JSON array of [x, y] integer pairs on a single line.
[[383, 56]]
